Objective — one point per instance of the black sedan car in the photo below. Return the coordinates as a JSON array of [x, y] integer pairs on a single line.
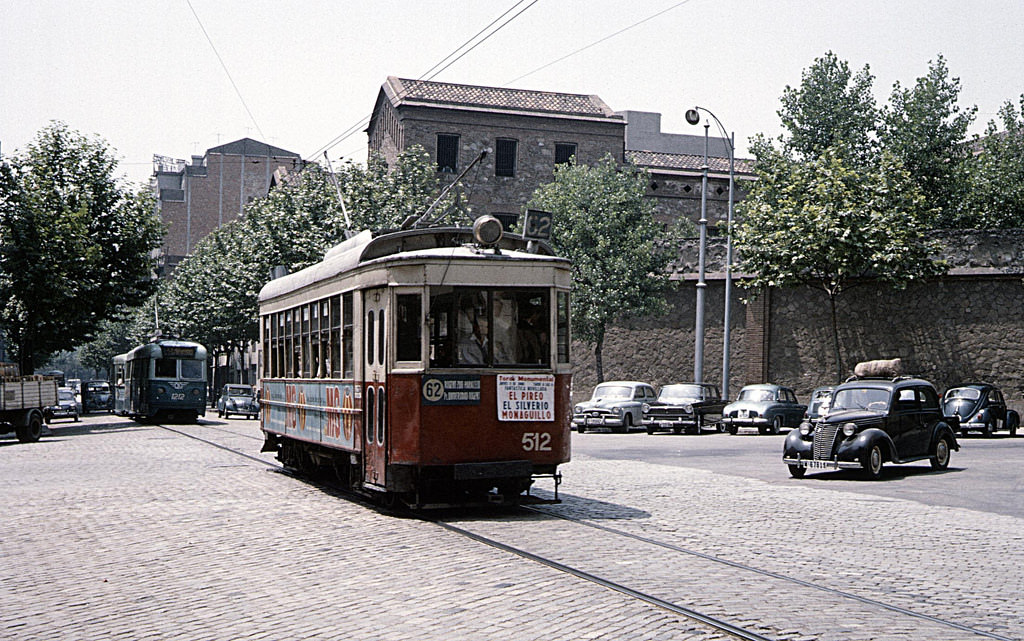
[[872, 422], [684, 406], [981, 408]]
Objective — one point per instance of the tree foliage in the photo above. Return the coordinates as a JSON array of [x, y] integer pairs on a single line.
[[925, 128], [830, 211], [75, 246], [996, 175], [603, 223]]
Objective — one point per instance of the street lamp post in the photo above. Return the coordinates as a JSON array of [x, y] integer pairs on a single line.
[[693, 117]]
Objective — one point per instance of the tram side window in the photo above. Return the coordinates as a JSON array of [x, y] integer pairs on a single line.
[[563, 327], [305, 350], [348, 367], [335, 338], [474, 327], [166, 368], [409, 327]]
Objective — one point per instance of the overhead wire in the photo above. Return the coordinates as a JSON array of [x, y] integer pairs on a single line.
[[226, 71], [434, 71]]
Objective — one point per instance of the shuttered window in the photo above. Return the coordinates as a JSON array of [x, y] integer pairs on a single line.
[[564, 151], [447, 152], [505, 157]]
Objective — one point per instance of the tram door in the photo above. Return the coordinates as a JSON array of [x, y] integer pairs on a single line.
[[375, 425]]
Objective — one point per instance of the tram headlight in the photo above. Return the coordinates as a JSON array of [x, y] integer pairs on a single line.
[[487, 231], [161, 390]]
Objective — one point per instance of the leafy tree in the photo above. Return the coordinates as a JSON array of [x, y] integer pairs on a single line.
[[603, 223], [832, 107], [996, 176], [925, 128], [74, 245], [831, 210]]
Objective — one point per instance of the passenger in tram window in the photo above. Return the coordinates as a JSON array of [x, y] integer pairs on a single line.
[[506, 332], [472, 333]]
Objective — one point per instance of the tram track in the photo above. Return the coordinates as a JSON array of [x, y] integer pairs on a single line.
[[718, 623]]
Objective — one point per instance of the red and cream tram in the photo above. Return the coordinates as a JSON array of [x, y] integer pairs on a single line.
[[422, 366]]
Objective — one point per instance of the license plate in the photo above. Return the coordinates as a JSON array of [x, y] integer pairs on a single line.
[[593, 421], [665, 424], [820, 465]]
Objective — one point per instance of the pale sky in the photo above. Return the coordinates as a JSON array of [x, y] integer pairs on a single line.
[[142, 74]]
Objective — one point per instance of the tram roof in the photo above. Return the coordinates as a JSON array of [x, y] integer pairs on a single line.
[[431, 242], [155, 349]]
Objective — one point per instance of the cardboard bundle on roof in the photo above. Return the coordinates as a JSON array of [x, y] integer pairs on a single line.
[[883, 368]]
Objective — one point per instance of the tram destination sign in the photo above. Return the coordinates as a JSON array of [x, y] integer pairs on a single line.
[[526, 397], [451, 389], [537, 225], [177, 351]]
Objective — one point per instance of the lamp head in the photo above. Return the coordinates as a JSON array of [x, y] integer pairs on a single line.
[[692, 116]]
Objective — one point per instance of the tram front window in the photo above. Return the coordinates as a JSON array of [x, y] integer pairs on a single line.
[[192, 370], [474, 327], [166, 368]]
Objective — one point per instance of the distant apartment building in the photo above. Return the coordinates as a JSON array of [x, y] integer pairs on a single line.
[[194, 198], [529, 132]]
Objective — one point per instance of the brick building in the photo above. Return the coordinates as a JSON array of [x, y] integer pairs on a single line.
[[529, 132], [194, 198]]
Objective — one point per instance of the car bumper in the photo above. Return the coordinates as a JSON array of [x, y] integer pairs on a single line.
[[813, 464], [600, 421], [55, 413], [966, 427], [745, 422]]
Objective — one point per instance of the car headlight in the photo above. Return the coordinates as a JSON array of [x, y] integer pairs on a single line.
[[806, 428], [646, 407], [688, 408], [578, 409], [849, 429]]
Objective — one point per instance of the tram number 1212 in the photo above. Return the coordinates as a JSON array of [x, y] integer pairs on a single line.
[[536, 442]]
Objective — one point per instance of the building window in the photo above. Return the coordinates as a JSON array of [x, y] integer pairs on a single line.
[[447, 152], [505, 157], [564, 151]]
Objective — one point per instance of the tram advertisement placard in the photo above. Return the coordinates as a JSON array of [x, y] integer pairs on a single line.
[[312, 411], [526, 397], [451, 389]]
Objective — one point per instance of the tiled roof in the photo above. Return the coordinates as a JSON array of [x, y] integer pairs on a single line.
[[250, 147], [401, 90], [687, 162]]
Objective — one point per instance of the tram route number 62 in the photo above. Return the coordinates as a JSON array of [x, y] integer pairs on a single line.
[[536, 442]]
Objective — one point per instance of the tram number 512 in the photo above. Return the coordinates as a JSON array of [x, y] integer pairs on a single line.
[[536, 442]]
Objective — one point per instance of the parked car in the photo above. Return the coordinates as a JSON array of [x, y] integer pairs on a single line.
[[66, 407], [616, 404], [819, 403], [980, 408], [97, 397], [872, 422], [684, 406], [238, 399], [767, 407]]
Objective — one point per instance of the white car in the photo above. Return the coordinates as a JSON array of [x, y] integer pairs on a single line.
[[615, 404]]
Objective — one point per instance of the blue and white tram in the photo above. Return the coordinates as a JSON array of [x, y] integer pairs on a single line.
[[162, 380], [422, 366]]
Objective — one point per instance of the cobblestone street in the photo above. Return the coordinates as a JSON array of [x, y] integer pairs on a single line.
[[116, 530]]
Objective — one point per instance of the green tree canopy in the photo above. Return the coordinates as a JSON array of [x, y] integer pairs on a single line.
[[996, 176], [831, 210], [74, 245], [603, 223]]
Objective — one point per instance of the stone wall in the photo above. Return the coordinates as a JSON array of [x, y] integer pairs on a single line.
[[967, 325]]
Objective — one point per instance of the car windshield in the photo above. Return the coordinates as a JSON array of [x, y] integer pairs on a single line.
[[756, 395], [860, 398], [239, 391], [65, 395], [968, 393], [613, 391], [680, 393], [98, 387]]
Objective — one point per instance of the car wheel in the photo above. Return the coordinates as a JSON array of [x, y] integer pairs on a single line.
[[733, 429], [776, 425], [940, 460], [581, 429], [627, 421], [872, 462], [30, 433], [797, 471], [990, 429]]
